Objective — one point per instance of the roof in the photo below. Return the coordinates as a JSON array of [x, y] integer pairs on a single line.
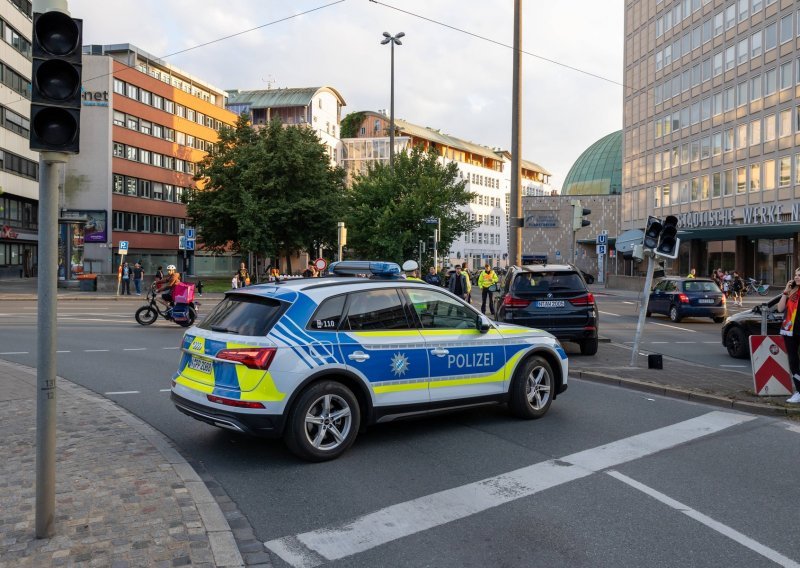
[[534, 166], [598, 171], [277, 98], [438, 137]]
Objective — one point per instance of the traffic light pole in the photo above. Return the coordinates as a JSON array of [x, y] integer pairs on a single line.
[[648, 281], [47, 306]]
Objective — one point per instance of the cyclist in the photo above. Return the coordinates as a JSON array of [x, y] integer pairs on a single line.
[[167, 284]]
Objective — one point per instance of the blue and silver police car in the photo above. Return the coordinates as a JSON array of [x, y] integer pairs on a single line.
[[315, 360]]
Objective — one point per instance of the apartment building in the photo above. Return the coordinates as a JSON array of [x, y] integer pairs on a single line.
[[144, 125], [712, 130], [19, 166]]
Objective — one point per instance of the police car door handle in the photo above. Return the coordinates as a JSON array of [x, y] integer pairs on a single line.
[[439, 352], [359, 356]]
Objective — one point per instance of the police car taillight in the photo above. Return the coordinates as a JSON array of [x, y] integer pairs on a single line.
[[250, 357], [234, 402]]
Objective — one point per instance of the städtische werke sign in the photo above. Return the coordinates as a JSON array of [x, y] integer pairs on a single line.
[[755, 215]]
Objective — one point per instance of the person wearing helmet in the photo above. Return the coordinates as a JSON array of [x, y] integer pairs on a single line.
[[411, 269], [167, 284]]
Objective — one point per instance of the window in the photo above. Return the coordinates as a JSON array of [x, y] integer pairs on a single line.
[[755, 88], [119, 150], [119, 87], [377, 310], [769, 174], [785, 123], [169, 106], [717, 103], [130, 186], [730, 58], [755, 177], [695, 111], [158, 160], [695, 185], [119, 221], [727, 182], [705, 148], [131, 91], [119, 184], [716, 184], [158, 190], [717, 64], [784, 171], [769, 128], [119, 118], [132, 153], [770, 82], [730, 16], [755, 44], [695, 150], [718, 24], [716, 144], [771, 36], [706, 66], [158, 102], [741, 93], [132, 122], [787, 31], [704, 187], [755, 132], [729, 99], [741, 179], [145, 127], [144, 223], [786, 75], [190, 114], [741, 136], [744, 9], [145, 97], [439, 311], [144, 156], [158, 131], [727, 140], [742, 51]]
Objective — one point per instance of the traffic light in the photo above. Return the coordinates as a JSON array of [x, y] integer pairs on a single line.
[[56, 83], [578, 213], [652, 232], [669, 242]]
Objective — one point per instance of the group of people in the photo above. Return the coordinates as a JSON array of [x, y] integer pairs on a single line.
[[731, 283], [460, 284], [135, 273]]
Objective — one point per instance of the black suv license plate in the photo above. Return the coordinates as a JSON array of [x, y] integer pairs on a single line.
[[550, 304]]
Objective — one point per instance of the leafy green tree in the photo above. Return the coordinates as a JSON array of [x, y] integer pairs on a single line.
[[350, 123], [387, 207], [270, 190]]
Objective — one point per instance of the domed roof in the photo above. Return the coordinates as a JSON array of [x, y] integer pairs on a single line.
[[598, 171]]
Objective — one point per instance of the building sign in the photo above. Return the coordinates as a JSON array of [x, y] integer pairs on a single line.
[[96, 224], [755, 215], [541, 219], [6, 232], [94, 98]]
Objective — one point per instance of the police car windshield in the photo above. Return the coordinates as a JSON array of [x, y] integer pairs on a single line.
[[244, 315]]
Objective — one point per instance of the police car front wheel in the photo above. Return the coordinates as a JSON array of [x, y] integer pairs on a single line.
[[324, 422], [531, 389]]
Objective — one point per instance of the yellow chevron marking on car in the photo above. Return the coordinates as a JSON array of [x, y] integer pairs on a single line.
[[183, 380], [265, 390], [399, 388], [498, 376], [198, 376]]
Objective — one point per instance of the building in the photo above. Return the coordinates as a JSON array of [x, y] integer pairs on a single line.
[[711, 130], [19, 166], [319, 108], [486, 171], [144, 125]]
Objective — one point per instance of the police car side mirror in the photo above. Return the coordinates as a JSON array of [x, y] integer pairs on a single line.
[[482, 323]]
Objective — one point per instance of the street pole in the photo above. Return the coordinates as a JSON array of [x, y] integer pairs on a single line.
[[340, 227], [643, 309], [515, 226], [391, 114]]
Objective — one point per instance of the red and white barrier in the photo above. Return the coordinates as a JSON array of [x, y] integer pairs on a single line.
[[771, 376]]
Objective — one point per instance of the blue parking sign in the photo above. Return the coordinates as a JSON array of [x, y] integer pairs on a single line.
[[123, 245]]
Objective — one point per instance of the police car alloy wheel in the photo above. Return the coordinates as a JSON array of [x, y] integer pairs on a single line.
[[530, 391]]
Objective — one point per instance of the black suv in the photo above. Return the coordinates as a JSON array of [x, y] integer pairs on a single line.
[[552, 297]]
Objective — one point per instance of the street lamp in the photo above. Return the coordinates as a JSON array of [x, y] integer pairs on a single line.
[[389, 38]]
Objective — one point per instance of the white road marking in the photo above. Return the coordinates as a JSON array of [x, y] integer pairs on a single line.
[[170, 348], [658, 342], [63, 351], [722, 529], [136, 349], [689, 342], [627, 302], [610, 314], [712, 342], [165, 390], [15, 353], [735, 366], [397, 521], [674, 327], [793, 428], [95, 350], [121, 392]]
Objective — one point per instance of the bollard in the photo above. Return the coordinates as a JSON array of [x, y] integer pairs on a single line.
[[655, 361], [764, 313]]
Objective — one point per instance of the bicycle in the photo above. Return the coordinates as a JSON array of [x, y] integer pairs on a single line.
[[755, 287]]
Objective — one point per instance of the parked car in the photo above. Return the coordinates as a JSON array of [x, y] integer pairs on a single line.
[[679, 297], [552, 297], [739, 327]]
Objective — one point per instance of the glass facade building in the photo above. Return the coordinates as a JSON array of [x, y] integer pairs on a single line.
[[712, 130]]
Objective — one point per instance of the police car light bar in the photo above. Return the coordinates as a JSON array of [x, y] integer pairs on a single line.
[[368, 267]]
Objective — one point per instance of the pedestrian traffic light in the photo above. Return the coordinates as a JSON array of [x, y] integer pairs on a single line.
[[652, 232], [56, 83], [669, 242], [578, 213]]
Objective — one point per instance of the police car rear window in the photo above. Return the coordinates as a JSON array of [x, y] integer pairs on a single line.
[[244, 315]]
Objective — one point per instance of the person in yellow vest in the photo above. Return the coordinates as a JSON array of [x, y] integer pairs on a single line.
[[411, 268], [692, 273], [487, 282]]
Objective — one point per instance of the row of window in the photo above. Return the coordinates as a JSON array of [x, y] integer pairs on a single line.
[[138, 222], [15, 81], [18, 213], [722, 20], [25, 6], [14, 122], [752, 178], [482, 238], [14, 254], [486, 200], [153, 158], [135, 187], [17, 164], [753, 133], [163, 132], [755, 88], [479, 179], [184, 86], [486, 219], [156, 101], [15, 39]]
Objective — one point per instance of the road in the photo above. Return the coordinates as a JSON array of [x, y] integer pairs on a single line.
[[610, 477]]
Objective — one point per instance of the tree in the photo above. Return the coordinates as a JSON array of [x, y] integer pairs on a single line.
[[350, 123], [386, 208], [269, 190]]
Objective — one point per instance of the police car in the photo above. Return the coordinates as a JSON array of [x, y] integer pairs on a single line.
[[315, 360]]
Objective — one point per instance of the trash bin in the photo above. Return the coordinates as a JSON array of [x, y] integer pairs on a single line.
[[87, 282]]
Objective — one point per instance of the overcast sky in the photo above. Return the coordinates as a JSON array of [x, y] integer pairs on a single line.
[[444, 78]]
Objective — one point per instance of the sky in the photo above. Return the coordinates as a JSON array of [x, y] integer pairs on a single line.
[[444, 78]]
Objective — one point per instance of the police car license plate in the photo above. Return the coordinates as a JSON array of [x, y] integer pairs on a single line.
[[201, 365], [705, 301], [550, 304]]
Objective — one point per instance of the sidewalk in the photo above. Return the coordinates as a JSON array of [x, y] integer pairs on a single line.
[[25, 289]]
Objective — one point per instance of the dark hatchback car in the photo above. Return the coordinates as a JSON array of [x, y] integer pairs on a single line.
[[680, 298], [552, 297], [739, 327]]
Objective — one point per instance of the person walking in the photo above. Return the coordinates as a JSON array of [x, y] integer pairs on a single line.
[[160, 273], [790, 330], [737, 287], [458, 283], [138, 276], [487, 282], [242, 276], [692, 273], [432, 277], [126, 279], [311, 271], [468, 295]]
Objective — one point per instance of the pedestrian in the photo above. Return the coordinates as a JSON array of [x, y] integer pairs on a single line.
[[432, 277], [138, 276], [468, 296], [235, 281], [737, 287], [791, 331], [126, 279], [692, 273], [487, 282], [726, 283], [242, 276], [160, 273], [458, 283], [274, 274], [411, 270], [311, 271]]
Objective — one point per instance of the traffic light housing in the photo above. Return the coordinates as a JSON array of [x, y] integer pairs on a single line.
[[669, 242], [652, 232], [56, 83], [578, 212]]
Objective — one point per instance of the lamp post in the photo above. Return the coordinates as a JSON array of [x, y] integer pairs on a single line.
[[389, 38]]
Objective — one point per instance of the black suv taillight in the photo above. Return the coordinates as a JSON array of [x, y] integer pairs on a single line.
[[585, 300], [513, 302]]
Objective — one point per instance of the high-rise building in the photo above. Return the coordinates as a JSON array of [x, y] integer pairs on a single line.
[[19, 166], [712, 130]]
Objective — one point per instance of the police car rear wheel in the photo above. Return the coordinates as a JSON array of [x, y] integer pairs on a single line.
[[324, 422], [531, 390]]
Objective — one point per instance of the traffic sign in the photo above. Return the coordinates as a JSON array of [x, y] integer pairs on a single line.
[[182, 242], [189, 244], [771, 375], [123, 247], [602, 239], [190, 233], [320, 264], [601, 250]]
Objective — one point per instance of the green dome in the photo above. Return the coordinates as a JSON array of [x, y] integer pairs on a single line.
[[598, 171]]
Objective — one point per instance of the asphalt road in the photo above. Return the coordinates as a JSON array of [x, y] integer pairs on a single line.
[[610, 477]]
